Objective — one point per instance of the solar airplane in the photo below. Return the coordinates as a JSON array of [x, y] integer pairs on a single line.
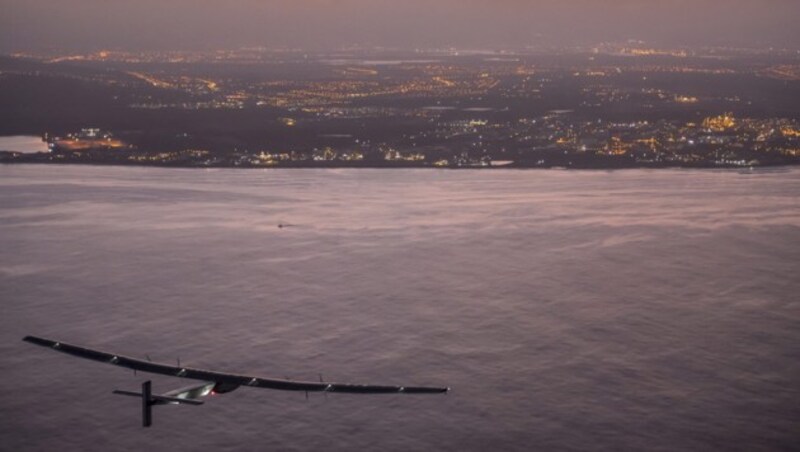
[[212, 382]]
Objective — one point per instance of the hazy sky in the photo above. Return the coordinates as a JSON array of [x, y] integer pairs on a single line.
[[204, 24]]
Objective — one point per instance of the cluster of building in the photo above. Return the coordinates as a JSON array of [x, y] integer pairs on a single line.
[[620, 106], [550, 140]]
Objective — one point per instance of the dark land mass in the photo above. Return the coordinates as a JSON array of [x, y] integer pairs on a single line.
[[608, 108]]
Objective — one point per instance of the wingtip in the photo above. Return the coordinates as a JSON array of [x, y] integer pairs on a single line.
[[37, 340]]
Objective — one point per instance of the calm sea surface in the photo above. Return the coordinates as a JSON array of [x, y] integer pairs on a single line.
[[569, 310]]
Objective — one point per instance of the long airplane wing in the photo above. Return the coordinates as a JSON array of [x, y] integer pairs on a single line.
[[225, 379]]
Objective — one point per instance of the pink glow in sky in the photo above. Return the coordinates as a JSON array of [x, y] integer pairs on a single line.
[[203, 24]]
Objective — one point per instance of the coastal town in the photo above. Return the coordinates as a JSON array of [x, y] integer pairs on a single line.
[[604, 107]]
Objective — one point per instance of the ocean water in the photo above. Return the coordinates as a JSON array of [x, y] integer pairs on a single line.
[[568, 310]]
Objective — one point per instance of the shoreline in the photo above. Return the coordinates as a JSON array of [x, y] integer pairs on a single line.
[[769, 167]]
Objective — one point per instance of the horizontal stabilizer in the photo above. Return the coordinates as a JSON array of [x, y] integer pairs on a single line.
[[127, 393]]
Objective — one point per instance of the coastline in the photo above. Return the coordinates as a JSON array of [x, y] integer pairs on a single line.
[[371, 166]]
